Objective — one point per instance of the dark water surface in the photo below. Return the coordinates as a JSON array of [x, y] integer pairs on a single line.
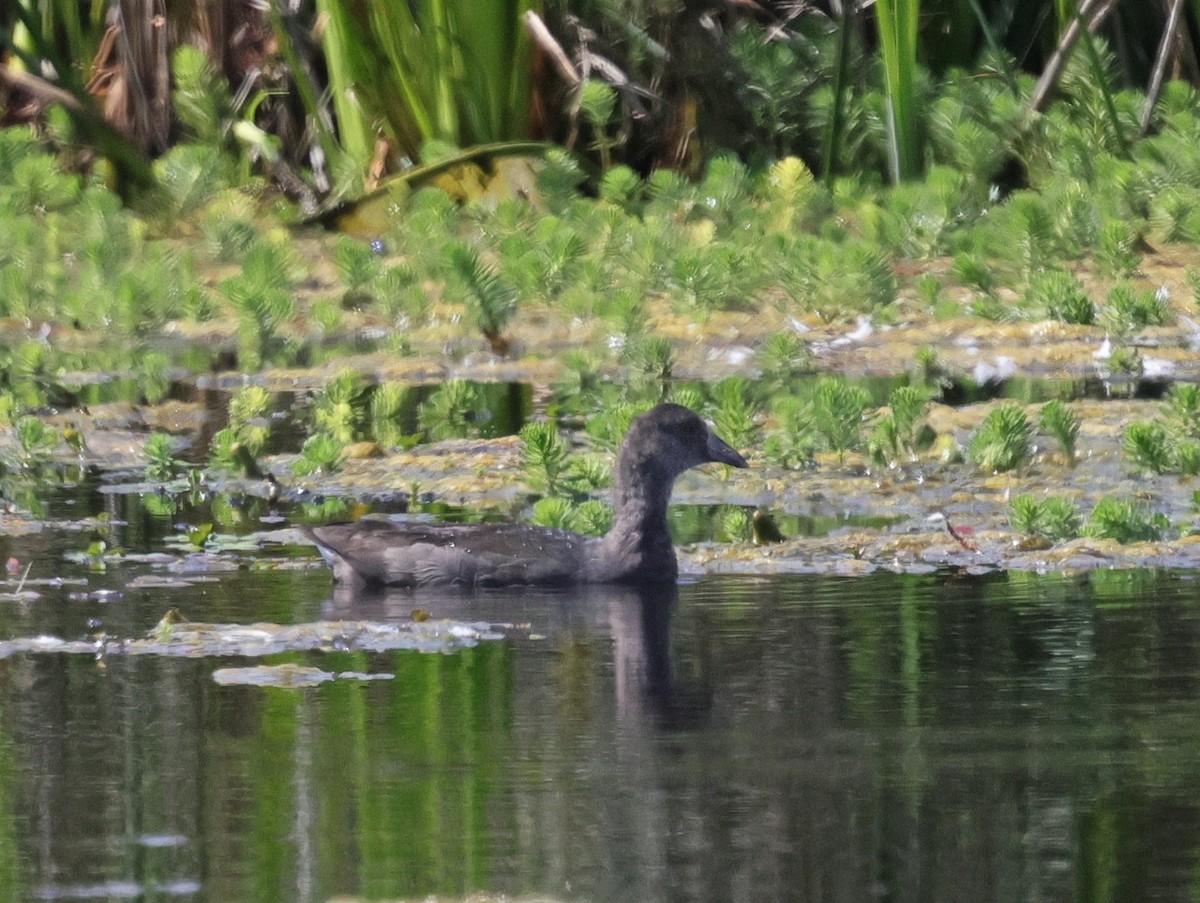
[[893, 738]]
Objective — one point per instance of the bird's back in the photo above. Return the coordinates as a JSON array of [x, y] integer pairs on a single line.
[[419, 554]]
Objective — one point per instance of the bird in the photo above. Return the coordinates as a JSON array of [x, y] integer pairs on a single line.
[[659, 446]]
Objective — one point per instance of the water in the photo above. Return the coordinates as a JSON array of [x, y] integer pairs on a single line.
[[893, 738]]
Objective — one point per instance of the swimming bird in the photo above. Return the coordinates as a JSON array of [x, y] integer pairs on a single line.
[[659, 446]]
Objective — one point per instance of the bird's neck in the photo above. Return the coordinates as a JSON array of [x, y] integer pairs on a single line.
[[639, 538]]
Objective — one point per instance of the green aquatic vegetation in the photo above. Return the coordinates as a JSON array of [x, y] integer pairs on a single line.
[[453, 411], [1125, 360], [1182, 410], [1125, 521], [153, 375], [791, 441], [161, 463], [1059, 421], [899, 431], [596, 102], [320, 454], [237, 447], [543, 457], [652, 360], [1001, 442], [35, 439], [783, 358], [607, 427], [591, 517], [1171, 443], [359, 268], [261, 296], [735, 412], [1062, 297], [491, 299], [389, 400], [837, 413], [1054, 518], [1021, 233], [339, 408], [621, 187], [837, 279], [1129, 307], [1117, 248]]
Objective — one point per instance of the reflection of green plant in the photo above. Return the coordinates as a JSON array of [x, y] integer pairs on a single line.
[[237, 447], [1053, 518], [452, 411], [1002, 441], [338, 410], [1060, 421], [152, 375], [1124, 521], [161, 463]]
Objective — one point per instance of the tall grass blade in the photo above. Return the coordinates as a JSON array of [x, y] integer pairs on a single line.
[[897, 22]]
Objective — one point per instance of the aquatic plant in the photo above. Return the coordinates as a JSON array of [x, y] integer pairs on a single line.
[[1125, 360], [838, 408], [35, 439], [161, 463], [791, 441], [543, 457], [237, 447], [1124, 521], [1147, 445], [927, 371], [360, 269], [1061, 295], [1182, 410], [453, 411], [898, 432], [1059, 421], [1117, 248], [153, 375], [339, 408], [653, 361], [1053, 518], [1002, 441], [262, 298], [1129, 307], [320, 453], [490, 298], [783, 358], [735, 414], [608, 426]]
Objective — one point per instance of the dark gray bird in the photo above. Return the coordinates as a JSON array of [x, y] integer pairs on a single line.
[[660, 445]]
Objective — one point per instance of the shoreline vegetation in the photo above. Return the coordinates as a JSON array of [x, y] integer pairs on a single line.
[[999, 323]]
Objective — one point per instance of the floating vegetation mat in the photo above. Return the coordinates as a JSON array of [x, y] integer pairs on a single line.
[[196, 640]]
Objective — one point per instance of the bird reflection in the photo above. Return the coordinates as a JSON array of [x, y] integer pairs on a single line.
[[638, 618]]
